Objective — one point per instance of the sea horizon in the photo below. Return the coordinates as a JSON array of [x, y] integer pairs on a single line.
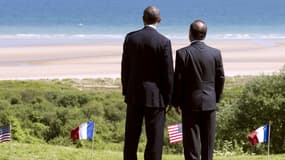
[[40, 35], [39, 22]]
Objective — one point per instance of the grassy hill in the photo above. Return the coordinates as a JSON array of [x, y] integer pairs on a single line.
[[21, 151], [45, 111]]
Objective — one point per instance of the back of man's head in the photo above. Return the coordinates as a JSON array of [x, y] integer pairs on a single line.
[[198, 30], [151, 15]]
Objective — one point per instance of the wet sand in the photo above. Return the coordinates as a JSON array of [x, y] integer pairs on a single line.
[[103, 60]]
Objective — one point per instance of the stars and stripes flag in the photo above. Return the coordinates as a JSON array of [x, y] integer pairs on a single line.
[[175, 133], [5, 133]]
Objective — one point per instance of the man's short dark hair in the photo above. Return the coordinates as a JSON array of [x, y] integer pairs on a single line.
[[198, 29], [151, 15]]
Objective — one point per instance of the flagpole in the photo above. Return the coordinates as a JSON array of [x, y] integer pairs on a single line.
[[268, 144], [10, 147], [92, 148]]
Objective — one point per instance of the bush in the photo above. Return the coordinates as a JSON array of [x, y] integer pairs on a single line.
[[263, 100]]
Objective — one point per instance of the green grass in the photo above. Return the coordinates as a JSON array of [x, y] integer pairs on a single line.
[[20, 151]]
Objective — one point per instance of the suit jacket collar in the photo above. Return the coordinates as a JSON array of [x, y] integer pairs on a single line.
[[197, 42]]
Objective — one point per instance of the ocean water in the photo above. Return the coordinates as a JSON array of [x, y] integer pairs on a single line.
[[24, 22]]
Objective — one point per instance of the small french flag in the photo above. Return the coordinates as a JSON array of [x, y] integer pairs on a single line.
[[84, 131], [259, 135]]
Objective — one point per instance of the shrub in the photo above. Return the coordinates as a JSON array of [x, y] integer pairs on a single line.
[[263, 100]]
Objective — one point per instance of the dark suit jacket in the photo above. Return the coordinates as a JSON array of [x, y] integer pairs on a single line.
[[147, 68], [199, 77]]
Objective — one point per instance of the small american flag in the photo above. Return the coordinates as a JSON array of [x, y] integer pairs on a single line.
[[175, 133], [5, 133]]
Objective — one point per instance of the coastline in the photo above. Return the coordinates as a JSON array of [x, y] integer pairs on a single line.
[[103, 59]]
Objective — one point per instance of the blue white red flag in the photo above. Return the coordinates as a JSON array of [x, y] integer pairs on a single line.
[[84, 131], [5, 133], [259, 135], [175, 133]]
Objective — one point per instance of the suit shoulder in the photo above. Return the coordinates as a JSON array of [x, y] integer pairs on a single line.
[[214, 49], [132, 33], [163, 36], [182, 50]]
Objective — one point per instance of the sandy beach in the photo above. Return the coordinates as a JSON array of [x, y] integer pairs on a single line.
[[100, 60]]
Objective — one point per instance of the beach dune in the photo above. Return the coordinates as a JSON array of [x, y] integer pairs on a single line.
[[101, 60]]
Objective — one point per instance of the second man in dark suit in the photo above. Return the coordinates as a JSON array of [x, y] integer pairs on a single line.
[[147, 80], [198, 85]]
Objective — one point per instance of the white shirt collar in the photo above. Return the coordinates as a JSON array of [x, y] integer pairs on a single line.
[[152, 26]]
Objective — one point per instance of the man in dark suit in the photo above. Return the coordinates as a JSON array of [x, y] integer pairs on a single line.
[[198, 85], [147, 82]]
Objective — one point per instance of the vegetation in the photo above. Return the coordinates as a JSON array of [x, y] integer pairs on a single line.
[[20, 151], [45, 111], [262, 100]]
